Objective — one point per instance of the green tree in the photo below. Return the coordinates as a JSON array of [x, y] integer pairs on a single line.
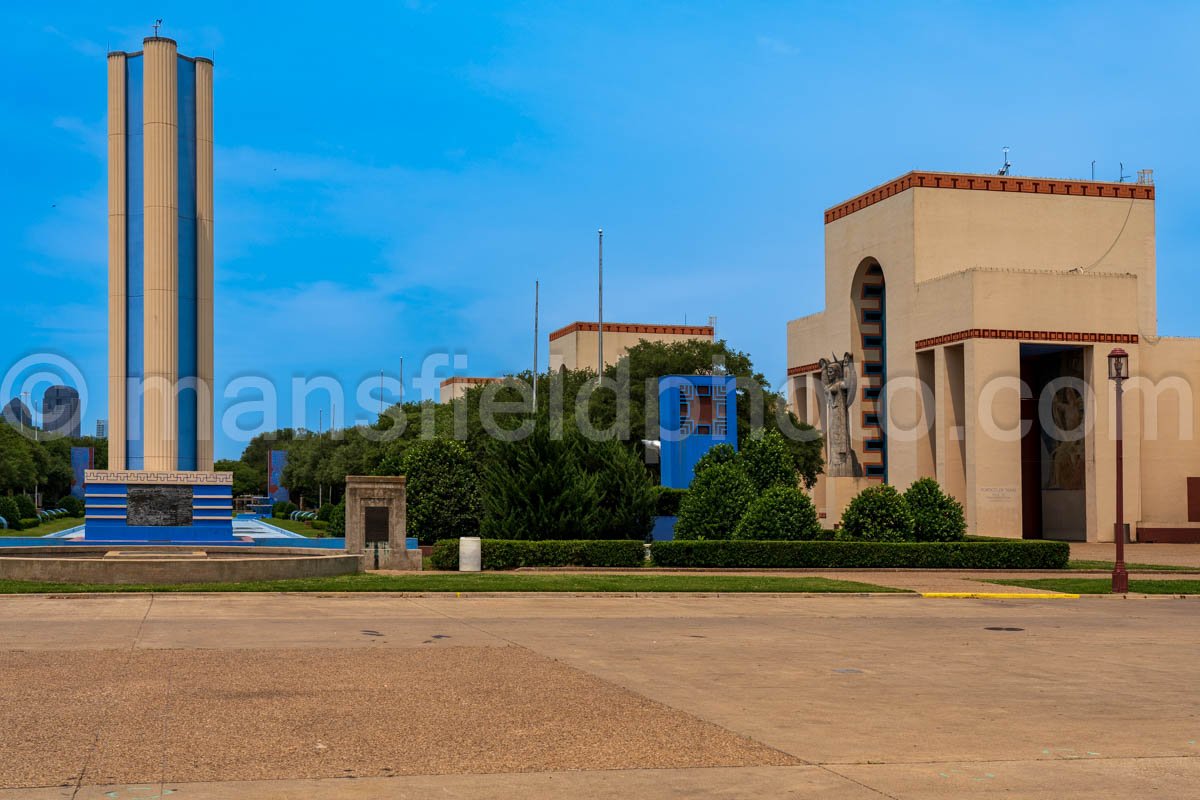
[[10, 512], [937, 517], [18, 465], [245, 480], [768, 461], [877, 514], [717, 454], [715, 503], [781, 512], [537, 489], [442, 490]]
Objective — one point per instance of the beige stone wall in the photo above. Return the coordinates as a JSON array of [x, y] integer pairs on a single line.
[[580, 349], [1166, 388], [454, 388], [957, 229]]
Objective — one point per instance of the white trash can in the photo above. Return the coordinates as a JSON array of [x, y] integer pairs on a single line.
[[470, 557]]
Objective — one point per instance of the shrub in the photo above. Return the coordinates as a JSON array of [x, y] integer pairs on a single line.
[[877, 514], [442, 490], [10, 512], [768, 462], [715, 503], [1012, 554], [26, 507], [511, 554], [283, 509], [73, 505], [716, 455], [324, 512], [31, 522], [544, 487], [668, 500], [337, 521], [781, 512], [937, 517], [319, 525]]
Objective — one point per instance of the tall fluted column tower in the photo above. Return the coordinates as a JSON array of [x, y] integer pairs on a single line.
[[160, 259]]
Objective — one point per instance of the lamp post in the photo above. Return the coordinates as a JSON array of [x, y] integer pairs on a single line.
[[1118, 371]]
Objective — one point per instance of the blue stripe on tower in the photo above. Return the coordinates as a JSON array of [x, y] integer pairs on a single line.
[[187, 363], [134, 262]]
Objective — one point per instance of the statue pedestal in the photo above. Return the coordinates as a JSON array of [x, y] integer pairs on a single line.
[[837, 494]]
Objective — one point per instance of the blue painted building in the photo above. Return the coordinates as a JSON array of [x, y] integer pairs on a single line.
[[695, 412]]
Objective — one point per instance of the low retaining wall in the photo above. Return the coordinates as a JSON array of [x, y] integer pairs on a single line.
[[168, 565]]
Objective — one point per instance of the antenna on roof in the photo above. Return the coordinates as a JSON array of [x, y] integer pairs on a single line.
[[156, 26], [1007, 166], [1121, 178], [1093, 169]]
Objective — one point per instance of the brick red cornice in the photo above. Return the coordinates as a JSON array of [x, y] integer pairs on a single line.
[[1074, 337], [988, 183], [803, 369], [625, 327], [471, 381]]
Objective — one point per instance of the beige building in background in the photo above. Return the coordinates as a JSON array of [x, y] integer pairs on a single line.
[[980, 310], [458, 386], [576, 346]]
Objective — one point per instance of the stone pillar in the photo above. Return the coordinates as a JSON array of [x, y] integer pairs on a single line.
[[161, 315], [376, 521], [204, 265], [117, 289]]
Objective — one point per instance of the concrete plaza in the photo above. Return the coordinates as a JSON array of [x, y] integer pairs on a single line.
[[215, 697]]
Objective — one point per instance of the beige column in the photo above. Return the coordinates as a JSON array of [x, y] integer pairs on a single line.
[[161, 253], [204, 265], [117, 290]]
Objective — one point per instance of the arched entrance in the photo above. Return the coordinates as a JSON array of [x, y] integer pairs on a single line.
[[869, 299]]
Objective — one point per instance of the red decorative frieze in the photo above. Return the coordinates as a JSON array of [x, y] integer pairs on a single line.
[[989, 183], [627, 327], [1074, 337], [803, 369]]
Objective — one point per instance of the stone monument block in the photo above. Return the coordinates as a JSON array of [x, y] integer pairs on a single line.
[[376, 522]]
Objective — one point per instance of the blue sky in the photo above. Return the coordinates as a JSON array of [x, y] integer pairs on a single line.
[[391, 180]]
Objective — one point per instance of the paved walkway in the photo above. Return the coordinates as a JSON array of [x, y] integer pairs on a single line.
[[204, 697]]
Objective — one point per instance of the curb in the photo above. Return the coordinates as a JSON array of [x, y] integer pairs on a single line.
[[1001, 595]]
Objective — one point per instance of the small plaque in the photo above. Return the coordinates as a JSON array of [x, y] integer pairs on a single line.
[[376, 524], [160, 506]]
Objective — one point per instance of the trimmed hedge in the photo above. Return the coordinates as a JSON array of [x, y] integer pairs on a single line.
[[1016, 554], [513, 553]]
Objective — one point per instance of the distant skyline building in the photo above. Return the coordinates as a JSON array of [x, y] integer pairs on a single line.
[[60, 412], [160, 217], [101, 429], [17, 414]]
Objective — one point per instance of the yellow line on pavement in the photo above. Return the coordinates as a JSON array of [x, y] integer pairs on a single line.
[[1004, 595]]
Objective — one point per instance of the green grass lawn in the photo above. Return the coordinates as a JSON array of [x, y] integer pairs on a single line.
[[1104, 585], [294, 526], [483, 582], [1108, 565], [53, 526]]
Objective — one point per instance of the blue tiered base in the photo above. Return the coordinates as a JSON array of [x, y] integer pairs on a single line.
[[145, 507]]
